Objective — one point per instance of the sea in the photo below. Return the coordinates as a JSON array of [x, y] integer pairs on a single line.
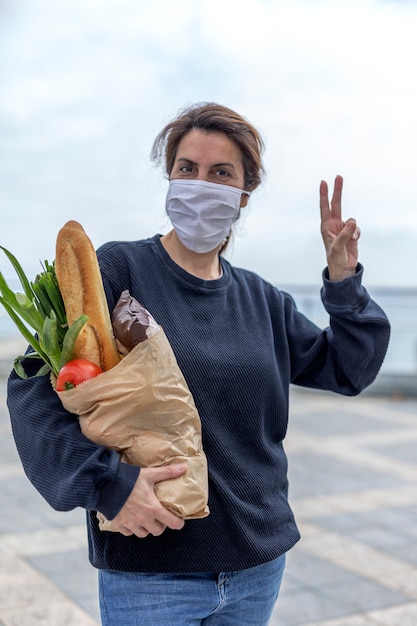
[[400, 305]]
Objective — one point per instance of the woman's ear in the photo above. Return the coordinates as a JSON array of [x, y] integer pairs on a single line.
[[244, 200]]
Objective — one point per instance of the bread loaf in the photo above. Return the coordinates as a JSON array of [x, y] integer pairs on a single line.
[[81, 285]]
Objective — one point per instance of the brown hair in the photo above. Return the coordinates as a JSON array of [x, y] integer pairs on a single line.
[[213, 117]]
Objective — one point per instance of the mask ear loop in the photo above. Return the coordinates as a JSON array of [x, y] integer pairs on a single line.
[[226, 240], [225, 243]]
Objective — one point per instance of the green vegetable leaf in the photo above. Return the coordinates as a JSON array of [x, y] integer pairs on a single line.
[[50, 343], [19, 271], [20, 370], [27, 334], [23, 305], [39, 314], [71, 336]]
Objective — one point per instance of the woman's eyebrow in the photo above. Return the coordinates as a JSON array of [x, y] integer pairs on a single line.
[[185, 160], [225, 164]]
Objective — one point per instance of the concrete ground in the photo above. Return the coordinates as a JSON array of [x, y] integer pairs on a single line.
[[353, 487]]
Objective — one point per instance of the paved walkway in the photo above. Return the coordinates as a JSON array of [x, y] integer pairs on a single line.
[[353, 487]]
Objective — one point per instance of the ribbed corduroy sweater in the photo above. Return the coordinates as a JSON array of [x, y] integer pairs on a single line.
[[239, 342]]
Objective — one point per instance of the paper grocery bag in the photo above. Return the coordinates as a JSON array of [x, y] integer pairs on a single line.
[[144, 409]]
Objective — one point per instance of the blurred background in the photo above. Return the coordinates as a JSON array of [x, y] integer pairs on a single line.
[[86, 85]]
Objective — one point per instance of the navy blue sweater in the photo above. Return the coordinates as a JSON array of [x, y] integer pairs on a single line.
[[240, 342]]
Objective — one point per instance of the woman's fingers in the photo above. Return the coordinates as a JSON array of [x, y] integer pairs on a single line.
[[333, 210], [336, 203], [324, 201]]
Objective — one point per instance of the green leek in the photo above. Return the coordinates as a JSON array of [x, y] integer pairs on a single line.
[[39, 314]]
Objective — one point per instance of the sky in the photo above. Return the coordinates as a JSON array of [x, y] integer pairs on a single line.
[[86, 85]]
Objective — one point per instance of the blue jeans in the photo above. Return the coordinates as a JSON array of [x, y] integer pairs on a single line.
[[244, 598]]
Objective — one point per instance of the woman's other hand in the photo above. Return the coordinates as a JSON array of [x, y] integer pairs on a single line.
[[340, 238], [142, 514]]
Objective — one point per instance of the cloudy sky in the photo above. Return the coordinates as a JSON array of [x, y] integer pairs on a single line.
[[86, 85]]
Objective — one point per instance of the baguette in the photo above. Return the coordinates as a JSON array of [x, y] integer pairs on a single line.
[[79, 278]]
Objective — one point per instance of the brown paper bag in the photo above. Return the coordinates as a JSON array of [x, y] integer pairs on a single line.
[[144, 409]]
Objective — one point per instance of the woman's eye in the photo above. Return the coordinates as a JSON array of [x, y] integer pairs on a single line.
[[186, 169], [223, 173]]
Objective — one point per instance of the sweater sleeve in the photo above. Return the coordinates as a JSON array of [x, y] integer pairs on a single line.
[[65, 467], [346, 356]]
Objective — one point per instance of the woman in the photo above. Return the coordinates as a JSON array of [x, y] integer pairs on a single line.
[[240, 343]]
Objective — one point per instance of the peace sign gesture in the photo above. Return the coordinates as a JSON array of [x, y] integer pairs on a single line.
[[340, 238]]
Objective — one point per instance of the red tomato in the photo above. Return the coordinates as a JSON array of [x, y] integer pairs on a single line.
[[75, 372]]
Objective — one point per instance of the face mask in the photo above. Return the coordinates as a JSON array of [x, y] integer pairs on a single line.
[[202, 213]]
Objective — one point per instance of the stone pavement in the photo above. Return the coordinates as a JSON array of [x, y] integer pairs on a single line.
[[353, 487]]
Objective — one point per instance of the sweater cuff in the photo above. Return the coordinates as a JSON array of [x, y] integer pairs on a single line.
[[348, 293], [114, 493]]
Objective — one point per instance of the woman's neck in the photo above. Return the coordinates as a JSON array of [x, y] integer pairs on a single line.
[[203, 265]]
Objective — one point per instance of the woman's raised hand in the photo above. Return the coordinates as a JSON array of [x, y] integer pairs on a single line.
[[340, 238]]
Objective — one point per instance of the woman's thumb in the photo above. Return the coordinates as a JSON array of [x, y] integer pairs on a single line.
[[168, 471]]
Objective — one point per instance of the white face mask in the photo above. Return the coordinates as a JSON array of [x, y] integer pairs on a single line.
[[202, 213]]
